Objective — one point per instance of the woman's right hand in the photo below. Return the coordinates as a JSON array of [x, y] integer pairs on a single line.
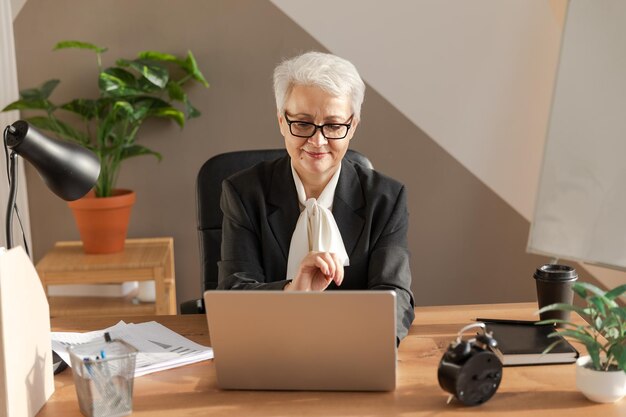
[[317, 270]]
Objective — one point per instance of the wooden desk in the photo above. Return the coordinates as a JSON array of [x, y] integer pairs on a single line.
[[141, 260], [191, 390]]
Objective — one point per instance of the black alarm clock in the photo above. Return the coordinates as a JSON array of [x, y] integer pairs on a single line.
[[471, 370]]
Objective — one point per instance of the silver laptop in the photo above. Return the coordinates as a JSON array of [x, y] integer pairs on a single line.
[[321, 341]]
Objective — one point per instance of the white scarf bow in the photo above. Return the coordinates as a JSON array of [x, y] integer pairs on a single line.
[[316, 229]]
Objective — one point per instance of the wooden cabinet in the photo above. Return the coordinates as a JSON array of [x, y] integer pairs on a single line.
[[142, 260]]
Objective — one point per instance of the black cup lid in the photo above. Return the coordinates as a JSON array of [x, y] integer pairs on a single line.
[[554, 272]]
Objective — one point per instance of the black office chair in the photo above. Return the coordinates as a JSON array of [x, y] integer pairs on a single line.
[[208, 192]]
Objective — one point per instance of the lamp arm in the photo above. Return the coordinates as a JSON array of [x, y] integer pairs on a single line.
[[11, 204]]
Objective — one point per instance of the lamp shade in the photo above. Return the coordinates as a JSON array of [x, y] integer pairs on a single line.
[[68, 169]]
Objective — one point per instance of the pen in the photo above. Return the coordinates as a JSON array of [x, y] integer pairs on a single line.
[[88, 366]]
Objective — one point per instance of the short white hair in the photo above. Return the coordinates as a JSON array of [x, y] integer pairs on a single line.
[[330, 73]]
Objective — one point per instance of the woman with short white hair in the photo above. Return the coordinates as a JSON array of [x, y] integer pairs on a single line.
[[312, 220]]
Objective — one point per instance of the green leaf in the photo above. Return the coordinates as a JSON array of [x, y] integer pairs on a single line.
[[584, 338], [619, 353], [589, 287], [553, 321], [191, 66], [594, 352], [611, 333], [170, 113], [78, 45], [598, 322], [598, 298], [175, 91], [126, 78], [152, 71], [616, 292], [105, 129], [40, 93], [149, 102], [598, 303], [48, 87], [138, 150], [565, 307], [611, 321], [103, 106], [580, 291], [147, 87], [35, 104], [118, 82], [159, 56], [619, 311], [60, 128], [552, 346], [140, 110], [31, 94], [143, 105], [190, 110], [84, 107], [123, 108]]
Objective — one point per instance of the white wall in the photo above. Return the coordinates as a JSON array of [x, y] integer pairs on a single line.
[[16, 6]]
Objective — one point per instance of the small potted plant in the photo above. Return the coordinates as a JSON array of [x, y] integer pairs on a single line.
[[130, 92], [601, 375]]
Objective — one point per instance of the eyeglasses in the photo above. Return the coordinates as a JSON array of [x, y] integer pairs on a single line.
[[331, 131]]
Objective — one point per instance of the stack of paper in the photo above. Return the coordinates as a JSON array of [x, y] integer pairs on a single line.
[[158, 347]]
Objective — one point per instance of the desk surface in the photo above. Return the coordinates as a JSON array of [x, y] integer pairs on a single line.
[[191, 390]]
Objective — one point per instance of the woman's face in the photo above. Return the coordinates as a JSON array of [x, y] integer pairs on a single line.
[[316, 159]]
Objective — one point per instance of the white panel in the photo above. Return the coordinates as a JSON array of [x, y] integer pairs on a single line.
[[477, 76], [9, 93], [581, 205], [26, 380]]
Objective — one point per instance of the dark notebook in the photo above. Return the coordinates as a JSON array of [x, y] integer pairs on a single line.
[[523, 343]]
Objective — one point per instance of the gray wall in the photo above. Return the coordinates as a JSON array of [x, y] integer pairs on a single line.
[[467, 244]]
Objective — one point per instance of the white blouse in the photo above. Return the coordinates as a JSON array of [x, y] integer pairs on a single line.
[[316, 229]]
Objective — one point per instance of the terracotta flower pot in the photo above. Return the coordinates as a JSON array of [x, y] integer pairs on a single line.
[[103, 222]]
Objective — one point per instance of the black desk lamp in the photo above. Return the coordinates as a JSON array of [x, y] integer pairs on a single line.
[[68, 169]]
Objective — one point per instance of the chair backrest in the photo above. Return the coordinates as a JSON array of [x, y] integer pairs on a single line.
[[209, 190]]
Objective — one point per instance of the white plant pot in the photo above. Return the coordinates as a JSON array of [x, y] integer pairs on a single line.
[[146, 291], [599, 386]]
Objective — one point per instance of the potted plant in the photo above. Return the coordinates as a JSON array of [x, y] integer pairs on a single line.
[[600, 376], [130, 92]]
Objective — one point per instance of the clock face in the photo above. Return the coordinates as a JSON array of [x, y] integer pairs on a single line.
[[470, 374], [479, 378]]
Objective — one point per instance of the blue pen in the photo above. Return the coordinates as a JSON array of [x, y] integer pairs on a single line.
[[88, 366], [110, 390]]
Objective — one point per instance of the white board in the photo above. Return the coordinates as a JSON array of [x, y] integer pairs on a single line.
[[26, 378], [580, 212]]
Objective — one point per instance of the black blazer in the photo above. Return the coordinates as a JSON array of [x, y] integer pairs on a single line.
[[260, 207]]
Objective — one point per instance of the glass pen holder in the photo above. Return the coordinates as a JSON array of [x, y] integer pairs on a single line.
[[103, 376]]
